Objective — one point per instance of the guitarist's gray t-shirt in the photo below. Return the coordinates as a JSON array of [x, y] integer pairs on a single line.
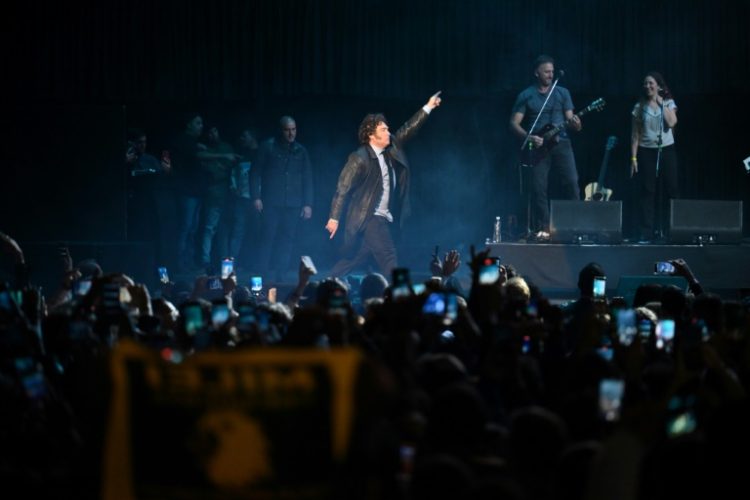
[[530, 101]]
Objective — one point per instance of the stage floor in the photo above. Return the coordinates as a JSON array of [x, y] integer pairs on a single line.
[[723, 269]]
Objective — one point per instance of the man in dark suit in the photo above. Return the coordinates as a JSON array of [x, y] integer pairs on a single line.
[[282, 189], [374, 184]]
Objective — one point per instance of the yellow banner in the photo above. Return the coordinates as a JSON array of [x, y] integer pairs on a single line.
[[267, 423]]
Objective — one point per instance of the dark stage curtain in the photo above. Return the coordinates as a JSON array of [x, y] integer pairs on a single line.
[[234, 50]]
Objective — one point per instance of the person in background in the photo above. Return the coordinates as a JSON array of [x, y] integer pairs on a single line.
[[219, 169], [239, 208], [282, 190], [149, 201]]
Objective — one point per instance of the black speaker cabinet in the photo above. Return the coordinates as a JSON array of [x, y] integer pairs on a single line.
[[574, 221], [705, 222]]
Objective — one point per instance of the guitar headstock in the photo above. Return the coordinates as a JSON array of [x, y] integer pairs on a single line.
[[597, 105], [611, 142]]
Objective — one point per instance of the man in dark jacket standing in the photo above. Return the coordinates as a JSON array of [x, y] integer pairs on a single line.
[[282, 189], [374, 184]]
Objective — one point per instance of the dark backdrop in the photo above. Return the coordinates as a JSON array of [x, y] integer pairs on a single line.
[[78, 75]]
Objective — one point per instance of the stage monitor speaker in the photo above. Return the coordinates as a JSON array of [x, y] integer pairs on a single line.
[[628, 285], [705, 222], [574, 221]]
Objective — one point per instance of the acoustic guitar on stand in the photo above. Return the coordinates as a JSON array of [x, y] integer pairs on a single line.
[[531, 155], [595, 191]]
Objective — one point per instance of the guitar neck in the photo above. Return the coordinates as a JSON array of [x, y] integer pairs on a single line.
[[603, 168]]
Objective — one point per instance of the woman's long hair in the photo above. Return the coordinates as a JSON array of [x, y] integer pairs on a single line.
[[660, 82], [643, 100]]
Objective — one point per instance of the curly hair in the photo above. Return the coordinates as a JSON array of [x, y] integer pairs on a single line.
[[369, 123]]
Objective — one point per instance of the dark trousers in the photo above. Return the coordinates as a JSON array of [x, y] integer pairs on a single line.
[[561, 163], [648, 185], [375, 241], [241, 210], [278, 228], [151, 212], [212, 213], [233, 226], [188, 210]]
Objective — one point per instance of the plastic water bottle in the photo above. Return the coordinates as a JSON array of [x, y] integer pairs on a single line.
[[497, 231]]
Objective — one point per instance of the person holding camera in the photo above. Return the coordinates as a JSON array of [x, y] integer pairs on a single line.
[[653, 160], [148, 202]]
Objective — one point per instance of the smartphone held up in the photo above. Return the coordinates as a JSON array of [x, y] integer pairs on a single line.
[[664, 267], [227, 267], [308, 263], [599, 290]]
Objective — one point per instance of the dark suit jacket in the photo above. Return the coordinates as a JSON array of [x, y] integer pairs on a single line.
[[281, 175], [360, 185]]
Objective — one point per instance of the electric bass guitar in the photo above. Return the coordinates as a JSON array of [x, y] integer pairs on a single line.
[[595, 191], [531, 155]]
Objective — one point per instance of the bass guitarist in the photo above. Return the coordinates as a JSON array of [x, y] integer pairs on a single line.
[[557, 152]]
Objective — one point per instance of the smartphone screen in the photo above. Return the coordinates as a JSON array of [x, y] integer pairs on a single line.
[[337, 301], [606, 352], [532, 309], [193, 318], [307, 261], [246, 316], [525, 344], [81, 287], [227, 267], [17, 296], [435, 304], [125, 297], [407, 453], [681, 418], [163, 275], [401, 283], [626, 328], [664, 333], [256, 284], [696, 334], [219, 314], [451, 307], [611, 391], [419, 288], [663, 268], [600, 286], [489, 273]]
